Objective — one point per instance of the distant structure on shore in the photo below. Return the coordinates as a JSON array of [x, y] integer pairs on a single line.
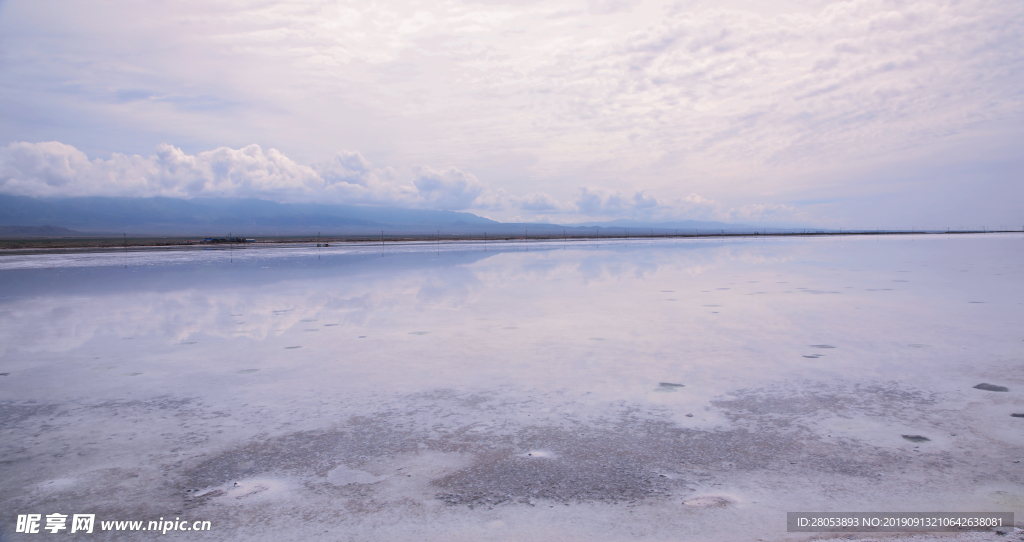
[[226, 240]]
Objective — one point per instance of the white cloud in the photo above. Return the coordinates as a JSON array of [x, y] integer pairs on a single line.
[[345, 167], [542, 202], [54, 169], [447, 189], [768, 213], [594, 203], [598, 202]]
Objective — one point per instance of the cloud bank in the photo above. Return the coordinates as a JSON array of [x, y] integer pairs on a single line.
[[54, 169]]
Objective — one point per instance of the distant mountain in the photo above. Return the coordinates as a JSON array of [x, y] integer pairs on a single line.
[[37, 231], [254, 217], [209, 216]]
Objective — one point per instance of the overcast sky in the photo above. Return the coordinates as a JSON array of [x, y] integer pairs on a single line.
[[865, 113]]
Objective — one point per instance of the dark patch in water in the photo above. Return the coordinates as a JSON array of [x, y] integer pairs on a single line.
[[671, 385], [815, 356], [991, 387], [1017, 415], [310, 452], [822, 346], [13, 413], [600, 473], [980, 302], [916, 438], [615, 462], [875, 399], [291, 347], [609, 465]]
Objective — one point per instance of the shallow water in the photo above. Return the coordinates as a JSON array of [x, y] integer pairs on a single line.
[[649, 390]]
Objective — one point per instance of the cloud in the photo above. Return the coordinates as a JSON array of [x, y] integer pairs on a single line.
[[614, 93], [602, 202], [57, 169], [542, 202], [451, 188], [345, 167], [53, 169], [770, 213], [594, 203], [608, 7]]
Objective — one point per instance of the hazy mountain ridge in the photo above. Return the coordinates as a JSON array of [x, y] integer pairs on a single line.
[[36, 231], [209, 216], [256, 217]]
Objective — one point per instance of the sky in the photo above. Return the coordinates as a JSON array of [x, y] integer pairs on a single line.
[[860, 114]]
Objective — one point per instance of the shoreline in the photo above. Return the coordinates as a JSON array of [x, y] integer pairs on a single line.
[[35, 244]]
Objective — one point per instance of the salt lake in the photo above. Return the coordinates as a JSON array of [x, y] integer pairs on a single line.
[[642, 389]]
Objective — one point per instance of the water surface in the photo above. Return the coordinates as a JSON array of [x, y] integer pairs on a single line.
[[648, 390]]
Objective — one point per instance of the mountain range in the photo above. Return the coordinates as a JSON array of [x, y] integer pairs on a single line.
[[255, 217]]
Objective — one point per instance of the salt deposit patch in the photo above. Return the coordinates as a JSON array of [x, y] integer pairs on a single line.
[[539, 454], [57, 484], [258, 490], [343, 476], [709, 501]]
